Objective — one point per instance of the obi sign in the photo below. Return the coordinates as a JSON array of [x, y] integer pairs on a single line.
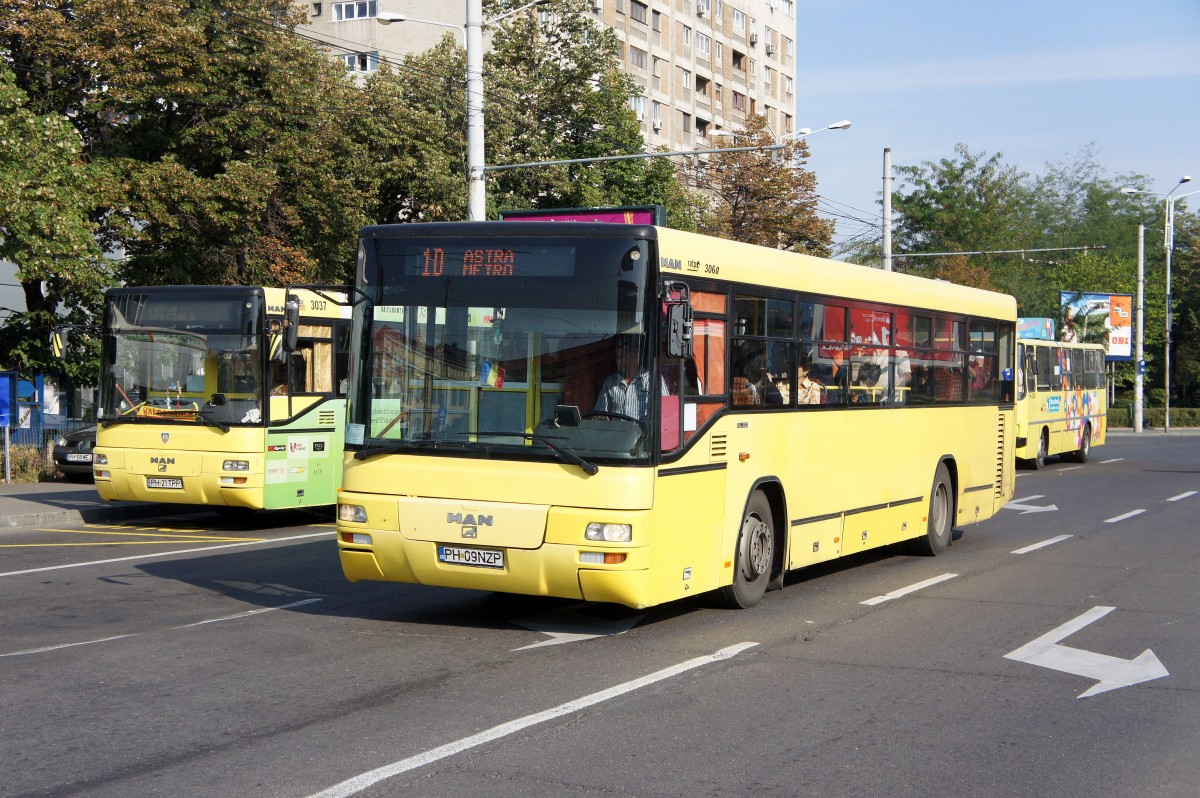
[[1099, 318]]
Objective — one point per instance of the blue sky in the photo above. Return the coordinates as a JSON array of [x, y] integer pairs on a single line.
[[1036, 81]]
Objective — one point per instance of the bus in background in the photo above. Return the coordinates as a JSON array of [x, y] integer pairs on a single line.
[[632, 414], [1061, 400], [225, 396]]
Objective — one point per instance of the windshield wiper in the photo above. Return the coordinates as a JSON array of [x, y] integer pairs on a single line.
[[211, 422], [392, 448], [562, 451]]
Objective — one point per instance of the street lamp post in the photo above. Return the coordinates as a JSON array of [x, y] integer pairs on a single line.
[[1169, 246], [473, 41]]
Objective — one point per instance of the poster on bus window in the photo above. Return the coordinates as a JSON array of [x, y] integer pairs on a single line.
[[1101, 319]]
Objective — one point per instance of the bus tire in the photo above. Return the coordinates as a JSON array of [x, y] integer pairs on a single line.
[[754, 556], [1039, 460], [1084, 452], [939, 528]]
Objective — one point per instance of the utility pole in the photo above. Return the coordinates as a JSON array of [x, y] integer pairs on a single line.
[[476, 189], [887, 209], [1139, 363]]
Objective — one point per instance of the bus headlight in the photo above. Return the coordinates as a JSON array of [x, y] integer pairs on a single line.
[[236, 465], [352, 512], [612, 533], [100, 459]]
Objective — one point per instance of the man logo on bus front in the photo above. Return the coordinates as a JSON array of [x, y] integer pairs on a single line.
[[166, 436]]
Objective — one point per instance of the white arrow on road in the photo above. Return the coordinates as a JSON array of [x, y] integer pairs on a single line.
[[573, 624], [1030, 508], [1110, 672]]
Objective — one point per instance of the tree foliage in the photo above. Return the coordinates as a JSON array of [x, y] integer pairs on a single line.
[[764, 196]]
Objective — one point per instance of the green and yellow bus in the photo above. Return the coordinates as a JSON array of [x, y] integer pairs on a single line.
[[777, 410], [225, 396], [1062, 397]]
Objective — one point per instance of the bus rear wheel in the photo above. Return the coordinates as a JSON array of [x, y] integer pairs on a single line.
[[1084, 452], [754, 557], [940, 525]]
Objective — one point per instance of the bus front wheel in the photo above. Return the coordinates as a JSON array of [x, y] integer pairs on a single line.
[[1039, 460], [1084, 453], [754, 557], [940, 524]]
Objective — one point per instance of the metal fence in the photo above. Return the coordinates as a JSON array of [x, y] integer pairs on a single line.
[[30, 453]]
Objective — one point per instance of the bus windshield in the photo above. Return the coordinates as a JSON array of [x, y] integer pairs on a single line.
[[500, 347], [194, 360]]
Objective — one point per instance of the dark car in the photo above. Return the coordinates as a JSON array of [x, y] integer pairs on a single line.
[[73, 454]]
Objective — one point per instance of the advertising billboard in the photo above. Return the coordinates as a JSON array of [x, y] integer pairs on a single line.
[[1099, 318]]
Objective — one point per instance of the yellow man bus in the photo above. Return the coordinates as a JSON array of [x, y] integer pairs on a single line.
[[633, 414], [1062, 397], [227, 396]]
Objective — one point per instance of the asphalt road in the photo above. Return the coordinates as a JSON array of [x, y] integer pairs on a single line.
[[202, 658]]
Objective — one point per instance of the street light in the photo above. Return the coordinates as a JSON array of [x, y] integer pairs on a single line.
[[1169, 246], [473, 41]]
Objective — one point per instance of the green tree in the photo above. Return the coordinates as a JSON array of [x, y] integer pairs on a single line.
[[765, 197], [45, 228]]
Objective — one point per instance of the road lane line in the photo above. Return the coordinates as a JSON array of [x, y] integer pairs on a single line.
[[362, 781], [1114, 460], [249, 613], [1124, 516], [1187, 495], [164, 554], [904, 591], [61, 645], [1042, 545]]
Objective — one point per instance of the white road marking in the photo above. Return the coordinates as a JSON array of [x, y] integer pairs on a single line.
[[248, 613], [61, 645], [1042, 545], [904, 591], [257, 542], [184, 626], [1114, 460], [1123, 516], [1026, 509], [1068, 468], [362, 781], [1187, 495], [1110, 673]]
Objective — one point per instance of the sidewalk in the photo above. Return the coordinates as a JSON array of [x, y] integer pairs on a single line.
[[26, 505]]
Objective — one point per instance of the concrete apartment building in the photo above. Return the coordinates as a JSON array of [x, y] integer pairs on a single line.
[[703, 65]]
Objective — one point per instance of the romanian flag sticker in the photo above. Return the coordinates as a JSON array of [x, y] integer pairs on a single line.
[[491, 375]]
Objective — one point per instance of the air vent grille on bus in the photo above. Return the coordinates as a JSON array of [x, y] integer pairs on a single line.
[[1000, 458], [327, 418], [717, 447]]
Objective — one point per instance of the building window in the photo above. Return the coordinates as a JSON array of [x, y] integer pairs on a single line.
[[703, 6], [361, 62], [739, 101], [685, 78], [703, 44], [656, 113], [687, 123], [638, 11], [638, 104], [620, 6], [639, 58], [739, 60], [789, 8], [702, 86], [362, 9], [687, 38], [656, 20], [702, 127], [789, 85], [789, 47], [739, 21]]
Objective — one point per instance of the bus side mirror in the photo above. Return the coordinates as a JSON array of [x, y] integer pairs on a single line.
[[291, 325], [677, 302]]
